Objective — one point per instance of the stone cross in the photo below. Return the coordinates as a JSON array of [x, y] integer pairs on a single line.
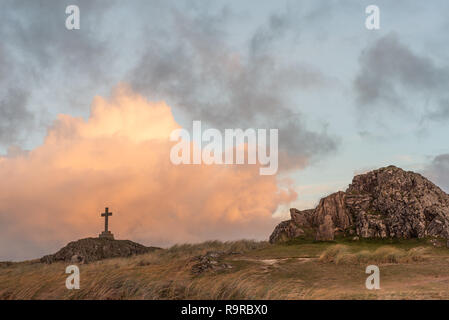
[[106, 214], [106, 233]]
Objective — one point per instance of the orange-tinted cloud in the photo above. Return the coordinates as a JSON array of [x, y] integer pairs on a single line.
[[120, 158]]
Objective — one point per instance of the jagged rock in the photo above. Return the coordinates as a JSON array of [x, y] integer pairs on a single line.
[[286, 230], [77, 259], [326, 229], [93, 249], [388, 202], [209, 262]]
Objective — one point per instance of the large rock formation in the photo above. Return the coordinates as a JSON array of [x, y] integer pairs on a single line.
[[388, 202], [93, 249]]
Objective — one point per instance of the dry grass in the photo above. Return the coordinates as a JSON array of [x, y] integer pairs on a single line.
[[188, 251], [163, 274], [300, 271], [341, 254]]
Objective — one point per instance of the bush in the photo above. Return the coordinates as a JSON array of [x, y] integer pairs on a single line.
[[331, 253], [340, 254]]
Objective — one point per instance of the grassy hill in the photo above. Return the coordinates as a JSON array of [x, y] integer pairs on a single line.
[[409, 269]]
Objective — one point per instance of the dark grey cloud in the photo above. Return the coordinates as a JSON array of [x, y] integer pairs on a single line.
[[35, 31], [184, 55], [275, 28], [37, 51], [438, 171], [200, 73], [14, 116], [438, 114], [392, 77]]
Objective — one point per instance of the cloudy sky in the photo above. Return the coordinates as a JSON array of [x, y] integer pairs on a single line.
[[85, 114]]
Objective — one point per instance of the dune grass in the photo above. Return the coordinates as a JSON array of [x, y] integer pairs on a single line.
[[341, 254], [259, 271]]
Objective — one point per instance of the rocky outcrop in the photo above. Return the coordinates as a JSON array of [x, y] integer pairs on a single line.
[[388, 202], [211, 261], [330, 217], [93, 249]]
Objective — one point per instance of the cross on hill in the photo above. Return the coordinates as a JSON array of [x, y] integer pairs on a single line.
[[106, 233]]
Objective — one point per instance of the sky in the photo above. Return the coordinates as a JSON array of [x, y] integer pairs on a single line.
[[85, 114]]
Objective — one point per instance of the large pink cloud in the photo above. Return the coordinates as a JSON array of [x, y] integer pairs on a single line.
[[120, 158]]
